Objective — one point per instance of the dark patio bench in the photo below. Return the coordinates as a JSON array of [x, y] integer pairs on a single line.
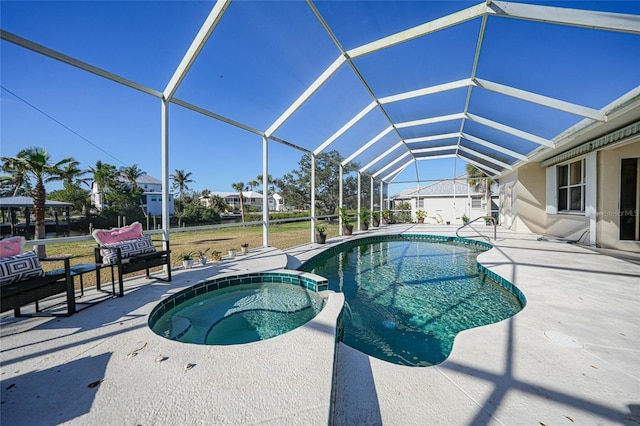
[[125, 265], [33, 290]]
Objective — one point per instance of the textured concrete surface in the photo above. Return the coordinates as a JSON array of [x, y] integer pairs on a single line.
[[105, 366], [571, 357]]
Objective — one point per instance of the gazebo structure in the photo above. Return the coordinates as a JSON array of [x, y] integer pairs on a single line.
[[10, 205], [517, 84]]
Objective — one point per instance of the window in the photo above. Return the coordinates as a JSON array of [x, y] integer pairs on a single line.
[[476, 203], [629, 199], [571, 186]]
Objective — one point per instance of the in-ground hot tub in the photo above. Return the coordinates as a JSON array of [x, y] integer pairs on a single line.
[[240, 309]]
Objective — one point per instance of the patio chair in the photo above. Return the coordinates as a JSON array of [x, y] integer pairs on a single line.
[[126, 250], [23, 281]]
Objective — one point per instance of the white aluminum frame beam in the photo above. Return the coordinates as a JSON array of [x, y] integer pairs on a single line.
[[367, 145], [346, 127], [434, 149], [376, 174], [431, 90], [476, 59], [430, 120], [399, 170], [485, 157], [38, 48], [304, 97], [455, 18], [433, 138], [510, 130], [381, 156], [607, 21], [215, 116], [313, 197], [196, 46], [494, 147], [541, 100], [237, 124], [265, 191], [435, 157], [478, 164]]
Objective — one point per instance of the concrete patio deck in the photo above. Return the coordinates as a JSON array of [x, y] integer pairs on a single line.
[[572, 356]]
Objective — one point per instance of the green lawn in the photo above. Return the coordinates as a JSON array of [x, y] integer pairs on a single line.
[[281, 236]]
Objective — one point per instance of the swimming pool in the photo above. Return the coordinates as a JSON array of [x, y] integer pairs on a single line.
[[239, 309], [408, 296]]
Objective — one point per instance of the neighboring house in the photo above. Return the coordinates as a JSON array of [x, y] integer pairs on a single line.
[[151, 201], [448, 200], [586, 189], [277, 201], [252, 200]]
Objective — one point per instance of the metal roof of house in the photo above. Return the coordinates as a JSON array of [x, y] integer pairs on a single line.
[[245, 194], [143, 179], [446, 188], [28, 202]]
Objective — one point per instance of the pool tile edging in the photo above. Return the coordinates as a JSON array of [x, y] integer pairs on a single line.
[[307, 280], [507, 285]]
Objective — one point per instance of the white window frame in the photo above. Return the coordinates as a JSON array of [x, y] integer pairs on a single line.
[[482, 203], [582, 184]]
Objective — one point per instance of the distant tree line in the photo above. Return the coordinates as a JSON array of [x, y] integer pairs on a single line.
[[120, 195]]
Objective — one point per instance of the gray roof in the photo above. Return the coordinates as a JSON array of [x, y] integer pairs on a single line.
[[245, 194], [443, 188], [28, 202], [144, 179]]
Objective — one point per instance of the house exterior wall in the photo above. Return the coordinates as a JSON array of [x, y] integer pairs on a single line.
[[151, 198], [448, 208], [528, 200], [529, 196], [153, 203], [609, 161]]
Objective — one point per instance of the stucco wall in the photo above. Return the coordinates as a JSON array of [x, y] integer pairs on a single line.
[[530, 199], [445, 207], [609, 194]]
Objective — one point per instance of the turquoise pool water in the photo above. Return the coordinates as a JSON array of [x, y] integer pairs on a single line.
[[407, 300], [238, 314]]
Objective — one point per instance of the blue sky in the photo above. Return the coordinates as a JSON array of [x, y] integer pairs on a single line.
[[259, 59]]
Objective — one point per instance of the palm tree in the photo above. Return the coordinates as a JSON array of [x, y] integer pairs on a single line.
[[252, 184], [265, 189], [180, 181], [71, 172], [131, 175], [17, 177], [239, 186], [35, 162], [105, 176], [480, 182]]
